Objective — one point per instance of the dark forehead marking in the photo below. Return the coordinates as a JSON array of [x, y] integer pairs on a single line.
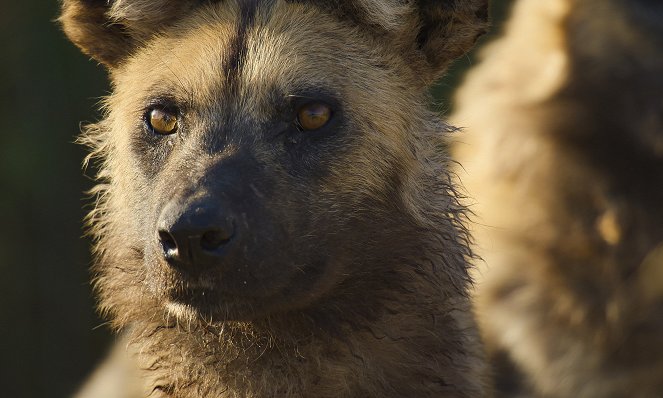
[[236, 53]]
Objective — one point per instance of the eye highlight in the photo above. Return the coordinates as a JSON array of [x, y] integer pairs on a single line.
[[313, 116], [162, 121]]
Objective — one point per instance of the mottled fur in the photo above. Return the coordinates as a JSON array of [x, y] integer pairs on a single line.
[[388, 315], [563, 157]]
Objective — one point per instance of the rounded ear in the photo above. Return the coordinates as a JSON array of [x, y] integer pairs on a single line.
[[440, 30], [109, 30], [449, 28]]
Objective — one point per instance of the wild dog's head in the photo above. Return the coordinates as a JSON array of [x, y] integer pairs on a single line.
[[256, 155]]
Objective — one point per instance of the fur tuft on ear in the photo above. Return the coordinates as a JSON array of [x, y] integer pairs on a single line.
[[438, 30], [450, 28], [109, 30], [390, 15], [87, 25], [141, 17]]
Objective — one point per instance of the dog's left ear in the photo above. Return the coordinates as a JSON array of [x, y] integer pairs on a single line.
[[450, 28], [437, 30]]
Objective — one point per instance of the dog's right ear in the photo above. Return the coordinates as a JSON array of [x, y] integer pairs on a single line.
[[110, 30]]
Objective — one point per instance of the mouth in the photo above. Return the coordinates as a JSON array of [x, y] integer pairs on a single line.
[[192, 303], [195, 296], [213, 305], [214, 297]]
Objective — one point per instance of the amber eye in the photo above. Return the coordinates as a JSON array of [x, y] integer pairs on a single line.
[[313, 116], [163, 122]]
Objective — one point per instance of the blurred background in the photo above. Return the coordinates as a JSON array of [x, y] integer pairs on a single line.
[[50, 335]]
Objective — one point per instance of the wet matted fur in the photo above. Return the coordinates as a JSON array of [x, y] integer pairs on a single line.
[[348, 275], [563, 157]]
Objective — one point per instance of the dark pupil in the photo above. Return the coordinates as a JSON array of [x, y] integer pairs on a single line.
[[314, 116], [316, 112]]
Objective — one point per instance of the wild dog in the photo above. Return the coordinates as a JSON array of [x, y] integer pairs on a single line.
[[563, 157], [275, 216]]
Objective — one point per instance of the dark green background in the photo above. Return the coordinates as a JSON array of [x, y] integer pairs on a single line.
[[50, 336]]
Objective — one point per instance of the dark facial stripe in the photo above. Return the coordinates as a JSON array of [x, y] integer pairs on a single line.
[[238, 48]]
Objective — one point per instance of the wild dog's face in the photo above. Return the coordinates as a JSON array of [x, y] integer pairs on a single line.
[[256, 150], [247, 132]]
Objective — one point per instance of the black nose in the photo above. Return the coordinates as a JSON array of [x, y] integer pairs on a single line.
[[195, 235]]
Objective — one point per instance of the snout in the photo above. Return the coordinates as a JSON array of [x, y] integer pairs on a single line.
[[196, 235], [223, 241]]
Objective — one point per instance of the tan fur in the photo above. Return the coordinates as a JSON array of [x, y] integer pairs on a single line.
[[564, 171], [390, 317]]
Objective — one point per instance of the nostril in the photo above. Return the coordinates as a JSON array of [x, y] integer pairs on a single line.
[[212, 240], [168, 244]]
